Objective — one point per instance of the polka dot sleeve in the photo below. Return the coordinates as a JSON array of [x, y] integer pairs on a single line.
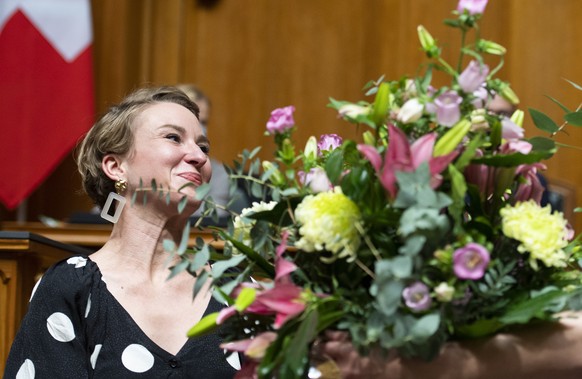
[[51, 342]]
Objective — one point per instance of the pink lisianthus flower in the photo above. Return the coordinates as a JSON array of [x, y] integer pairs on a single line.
[[281, 119], [472, 6], [417, 297], [510, 130], [316, 179], [473, 77], [448, 111], [470, 261], [401, 156], [328, 142]]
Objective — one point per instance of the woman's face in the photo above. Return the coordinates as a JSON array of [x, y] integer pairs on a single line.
[[170, 147]]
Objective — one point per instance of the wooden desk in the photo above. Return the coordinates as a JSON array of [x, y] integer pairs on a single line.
[[24, 256], [91, 236]]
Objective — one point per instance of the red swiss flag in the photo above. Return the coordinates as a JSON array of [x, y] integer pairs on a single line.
[[46, 89]]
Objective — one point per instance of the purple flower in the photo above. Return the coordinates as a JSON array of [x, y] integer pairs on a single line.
[[473, 76], [515, 146], [470, 261], [510, 130], [317, 180], [328, 142], [448, 112], [281, 119], [416, 297], [480, 96], [472, 6]]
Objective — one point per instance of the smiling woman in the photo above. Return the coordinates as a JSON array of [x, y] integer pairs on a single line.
[[104, 312]]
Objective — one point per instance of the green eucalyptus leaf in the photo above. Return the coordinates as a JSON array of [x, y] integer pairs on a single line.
[[182, 204], [542, 143], [200, 259], [577, 86], [564, 108], [574, 118], [542, 121], [199, 284], [426, 326], [177, 269], [169, 246], [202, 191], [218, 268], [185, 239]]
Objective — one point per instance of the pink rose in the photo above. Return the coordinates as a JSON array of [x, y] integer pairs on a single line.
[[281, 119], [472, 6]]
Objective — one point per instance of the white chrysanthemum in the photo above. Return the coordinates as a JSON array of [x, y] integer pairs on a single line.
[[243, 225], [329, 222], [542, 234]]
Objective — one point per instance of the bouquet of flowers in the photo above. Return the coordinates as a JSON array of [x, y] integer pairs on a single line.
[[428, 229]]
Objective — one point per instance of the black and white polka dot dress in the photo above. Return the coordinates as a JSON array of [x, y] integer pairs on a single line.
[[75, 328]]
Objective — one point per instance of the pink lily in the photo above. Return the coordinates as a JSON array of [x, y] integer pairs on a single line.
[[401, 156], [532, 188], [283, 300]]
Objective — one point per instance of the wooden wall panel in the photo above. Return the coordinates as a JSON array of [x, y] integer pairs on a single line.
[[252, 56]]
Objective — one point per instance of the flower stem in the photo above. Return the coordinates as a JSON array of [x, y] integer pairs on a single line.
[[365, 268]]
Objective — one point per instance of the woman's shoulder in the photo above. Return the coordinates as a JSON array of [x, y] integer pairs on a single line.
[[67, 278]]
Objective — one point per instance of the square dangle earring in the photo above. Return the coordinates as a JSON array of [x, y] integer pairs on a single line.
[[120, 186]]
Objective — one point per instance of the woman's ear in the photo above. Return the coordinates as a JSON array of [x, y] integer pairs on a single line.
[[111, 165]]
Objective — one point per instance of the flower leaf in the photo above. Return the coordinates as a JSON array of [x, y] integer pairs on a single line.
[[513, 160], [184, 240], [574, 118], [334, 165], [426, 326], [542, 121], [252, 255], [536, 307]]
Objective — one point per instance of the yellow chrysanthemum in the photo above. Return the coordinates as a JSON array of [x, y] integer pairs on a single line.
[[329, 222], [542, 233]]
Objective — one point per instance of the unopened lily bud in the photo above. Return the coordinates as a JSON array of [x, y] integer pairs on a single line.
[[517, 117], [491, 47], [381, 104], [452, 138], [310, 152], [276, 176], [427, 42], [508, 94], [353, 111], [478, 120], [369, 138]]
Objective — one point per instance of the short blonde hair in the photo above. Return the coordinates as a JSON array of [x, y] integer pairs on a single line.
[[113, 134]]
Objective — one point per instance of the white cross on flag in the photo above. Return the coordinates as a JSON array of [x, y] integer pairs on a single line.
[[46, 89]]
